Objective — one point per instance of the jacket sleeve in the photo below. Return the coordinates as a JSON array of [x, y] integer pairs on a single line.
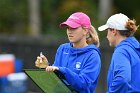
[[121, 74], [58, 56], [87, 76]]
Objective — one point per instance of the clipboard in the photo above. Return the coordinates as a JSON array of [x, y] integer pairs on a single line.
[[47, 82]]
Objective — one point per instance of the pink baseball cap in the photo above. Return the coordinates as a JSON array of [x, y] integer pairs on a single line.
[[76, 20]]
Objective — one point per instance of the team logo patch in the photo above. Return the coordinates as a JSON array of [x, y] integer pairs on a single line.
[[78, 65]]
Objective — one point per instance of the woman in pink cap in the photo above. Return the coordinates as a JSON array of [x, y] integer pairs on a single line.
[[78, 60]]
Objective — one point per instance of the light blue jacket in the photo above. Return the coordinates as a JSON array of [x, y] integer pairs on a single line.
[[124, 71], [80, 66]]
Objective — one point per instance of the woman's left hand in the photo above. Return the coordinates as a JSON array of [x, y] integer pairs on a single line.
[[51, 68]]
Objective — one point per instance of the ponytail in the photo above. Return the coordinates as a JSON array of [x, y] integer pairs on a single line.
[[92, 37], [132, 28], [131, 25]]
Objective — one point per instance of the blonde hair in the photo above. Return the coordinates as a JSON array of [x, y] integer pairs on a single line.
[[92, 37]]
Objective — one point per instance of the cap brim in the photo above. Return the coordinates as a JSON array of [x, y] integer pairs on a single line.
[[103, 28], [70, 24]]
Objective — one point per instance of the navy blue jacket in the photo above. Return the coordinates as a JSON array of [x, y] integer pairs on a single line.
[[124, 71], [80, 66]]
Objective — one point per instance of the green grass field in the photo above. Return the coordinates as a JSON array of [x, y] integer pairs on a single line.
[[48, 82]]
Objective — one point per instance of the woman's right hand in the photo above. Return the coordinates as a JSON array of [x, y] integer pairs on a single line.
[[41, 61], [51, 68]]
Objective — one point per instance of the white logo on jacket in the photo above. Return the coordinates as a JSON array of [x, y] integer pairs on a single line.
[[65, 53], [78, 65]]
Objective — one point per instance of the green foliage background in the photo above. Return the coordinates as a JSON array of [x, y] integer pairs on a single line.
[[14, 14]]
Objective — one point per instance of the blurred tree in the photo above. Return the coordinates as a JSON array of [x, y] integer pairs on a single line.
[[13, 16], [35, 22], [105, 7]]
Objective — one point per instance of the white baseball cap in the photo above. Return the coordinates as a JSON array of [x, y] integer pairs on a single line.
[[117, 21]]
